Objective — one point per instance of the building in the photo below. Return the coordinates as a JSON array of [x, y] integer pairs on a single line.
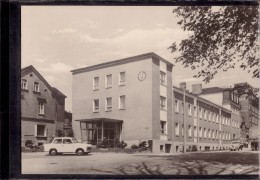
[[133, 99], [42, 107], [227, 98], [249, 110], [67, 123], [207, 125]]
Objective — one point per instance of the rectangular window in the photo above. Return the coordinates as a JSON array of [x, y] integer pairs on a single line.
[[189, 109], [163, 78], [210, 116], [109, 104], [41, 108], [200, 113], [195, 111], [200, 131], [205, 114], [209, 133], [24, 83], [205, 133], [36, 87], [96, 105], [189, 131], [177, 129], [163, 103], [163, 127], [41, 130], [195, 131], [109, 81], [122, 78], [122, 102], [176, 106], [96, 83]]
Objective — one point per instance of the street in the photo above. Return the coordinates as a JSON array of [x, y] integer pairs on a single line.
[[198, 163]]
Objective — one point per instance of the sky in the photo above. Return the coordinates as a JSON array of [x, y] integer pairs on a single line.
[[58, 39]]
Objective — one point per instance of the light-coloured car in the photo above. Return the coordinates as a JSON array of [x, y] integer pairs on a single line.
[[236, 145], [67, 145]]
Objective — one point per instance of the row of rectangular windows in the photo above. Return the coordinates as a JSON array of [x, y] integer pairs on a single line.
[[206, 115], [109, 81], [36, 85], [109, 104], [210, 134]]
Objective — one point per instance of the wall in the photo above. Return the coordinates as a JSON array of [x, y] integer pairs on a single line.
[[136, 117]]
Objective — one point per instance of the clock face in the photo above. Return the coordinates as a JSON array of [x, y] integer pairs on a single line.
[[141, 76]]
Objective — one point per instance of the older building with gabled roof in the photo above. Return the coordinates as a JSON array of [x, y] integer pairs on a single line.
[[42, 108]]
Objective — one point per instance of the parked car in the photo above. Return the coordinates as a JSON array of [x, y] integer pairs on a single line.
[[67, 145], [236, 145]]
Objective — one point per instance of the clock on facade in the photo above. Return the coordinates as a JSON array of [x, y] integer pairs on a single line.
[[141, 76]]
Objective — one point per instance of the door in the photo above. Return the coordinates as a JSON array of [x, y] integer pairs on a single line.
[[68, 146]]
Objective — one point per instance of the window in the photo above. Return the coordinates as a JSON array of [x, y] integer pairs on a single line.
[[189, 131], [209, 133], [182, 130], [36, 87], [177, 129], [216, 134], [200, 131], [109, 81], [122, 102], [122, 78], [189, 109], [209, 116], [41, 108], [67, 141], [163, 127], [200, 113], [195, 111], [217, 117], [163, 78], [182, 107], [163, 103], [213, 134], [57, 141], [205, 133], [176, 106], [205, 114], [109, 104], [96, 105], [41, 130], [195, 131], [24, 83], [96, 83]]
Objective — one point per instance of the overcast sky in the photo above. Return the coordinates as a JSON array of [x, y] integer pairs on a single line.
[[58, 39]]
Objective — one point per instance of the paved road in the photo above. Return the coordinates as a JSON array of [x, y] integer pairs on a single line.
[[207, 163]]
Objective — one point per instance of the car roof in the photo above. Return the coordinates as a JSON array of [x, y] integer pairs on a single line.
[[64, 138]]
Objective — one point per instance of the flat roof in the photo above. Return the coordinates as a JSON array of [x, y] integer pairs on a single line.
[[121, 61]]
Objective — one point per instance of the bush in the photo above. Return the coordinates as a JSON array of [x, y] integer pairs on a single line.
[[134, 146], [141, 147]]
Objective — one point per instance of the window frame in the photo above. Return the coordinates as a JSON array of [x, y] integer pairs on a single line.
[[34, 85], [163, 80], [109, 108], [96, 109], [36, 130], [120, 102], [41, 108], [26, 84], [111, 84], [122, 83], [163, 103], [96, 86]]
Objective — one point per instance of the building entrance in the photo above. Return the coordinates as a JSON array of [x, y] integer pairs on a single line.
[[98, 131]]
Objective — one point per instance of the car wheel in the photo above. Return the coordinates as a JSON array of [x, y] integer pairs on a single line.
[[80, 152], [53, 152]]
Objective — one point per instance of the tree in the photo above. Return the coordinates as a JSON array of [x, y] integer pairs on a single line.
[[223, 37]]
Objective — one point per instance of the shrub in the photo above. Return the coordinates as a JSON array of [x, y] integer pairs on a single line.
[[134, 146]]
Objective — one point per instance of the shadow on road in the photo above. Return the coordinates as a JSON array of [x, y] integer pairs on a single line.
[[69, 154], [181, 168]]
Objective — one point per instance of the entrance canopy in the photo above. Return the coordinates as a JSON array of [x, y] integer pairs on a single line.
[[99, 119]]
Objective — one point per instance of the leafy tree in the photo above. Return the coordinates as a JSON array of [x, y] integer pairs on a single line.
[[222, 38]]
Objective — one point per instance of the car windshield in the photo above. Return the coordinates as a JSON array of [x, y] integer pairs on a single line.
[[74, 140]]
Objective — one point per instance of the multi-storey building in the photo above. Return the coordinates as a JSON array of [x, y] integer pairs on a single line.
[[208, 125], [133, 99], [42, 107], [249, 111], [227, 98]]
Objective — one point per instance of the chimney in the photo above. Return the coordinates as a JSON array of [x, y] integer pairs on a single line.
[[183, 85], [196, 88]]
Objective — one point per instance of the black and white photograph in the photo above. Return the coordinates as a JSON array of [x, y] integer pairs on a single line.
[[140, 90]]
